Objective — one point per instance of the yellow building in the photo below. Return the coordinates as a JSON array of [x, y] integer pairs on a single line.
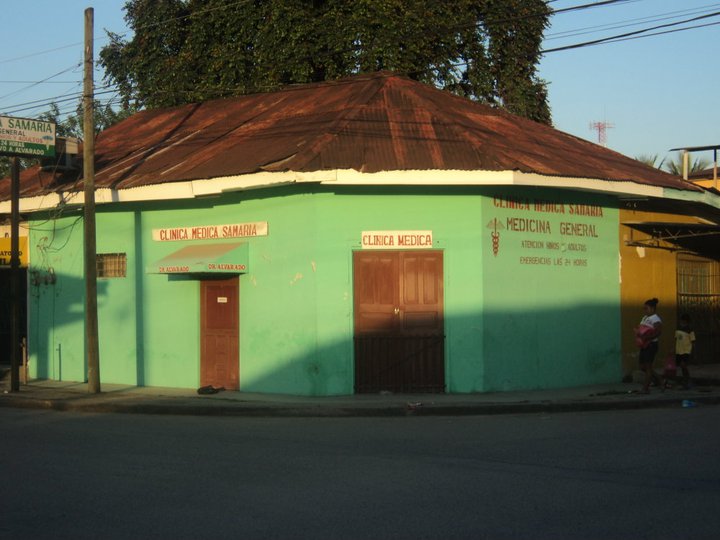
[[674, 257]]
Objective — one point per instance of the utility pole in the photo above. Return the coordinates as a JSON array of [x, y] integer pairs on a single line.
[[14, 274], [91, 316]]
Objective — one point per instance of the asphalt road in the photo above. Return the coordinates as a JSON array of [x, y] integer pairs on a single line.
[[634, 474]]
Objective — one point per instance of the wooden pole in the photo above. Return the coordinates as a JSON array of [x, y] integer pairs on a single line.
[[91, 316], [14, 274]]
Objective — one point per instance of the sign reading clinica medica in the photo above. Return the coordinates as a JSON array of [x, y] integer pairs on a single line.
[[26, 137], [396, 240]]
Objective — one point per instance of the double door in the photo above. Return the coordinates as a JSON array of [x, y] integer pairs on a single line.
[[399, 328]]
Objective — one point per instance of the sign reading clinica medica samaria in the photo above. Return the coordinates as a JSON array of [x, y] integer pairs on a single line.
[[26, 137], [211, 232]]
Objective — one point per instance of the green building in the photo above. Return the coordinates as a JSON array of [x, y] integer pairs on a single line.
[[366, 235]]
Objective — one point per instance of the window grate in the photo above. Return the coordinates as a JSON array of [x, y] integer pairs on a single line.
[[111, 265]]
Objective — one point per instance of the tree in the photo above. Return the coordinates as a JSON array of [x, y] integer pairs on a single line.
[[186, 51], [675, 166], [651, 160], [5, 165], [71, 126]]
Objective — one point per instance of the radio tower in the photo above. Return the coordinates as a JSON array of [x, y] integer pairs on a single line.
[[601, 128]]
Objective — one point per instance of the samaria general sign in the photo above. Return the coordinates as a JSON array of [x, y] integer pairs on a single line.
[[26, 137]]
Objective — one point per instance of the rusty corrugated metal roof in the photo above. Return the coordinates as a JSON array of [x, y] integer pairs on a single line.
[[370, 123]]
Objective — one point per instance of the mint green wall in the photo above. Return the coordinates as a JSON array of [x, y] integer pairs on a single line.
[[116, 312], [55, 299], [296, 306], [551, 312], [341, 218]]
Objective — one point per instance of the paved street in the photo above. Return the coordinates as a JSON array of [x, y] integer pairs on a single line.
[[626, 474]]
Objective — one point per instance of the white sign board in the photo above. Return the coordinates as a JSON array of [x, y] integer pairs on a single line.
[[211, 232], [26, 137], [396, 240]]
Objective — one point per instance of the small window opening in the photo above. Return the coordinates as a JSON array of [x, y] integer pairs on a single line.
[[111, 265]]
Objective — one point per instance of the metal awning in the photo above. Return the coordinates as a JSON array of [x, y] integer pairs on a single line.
[[699, 238], [230, 258]]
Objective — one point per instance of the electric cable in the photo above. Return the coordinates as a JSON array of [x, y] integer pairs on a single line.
[[630, 22], [628, 34]]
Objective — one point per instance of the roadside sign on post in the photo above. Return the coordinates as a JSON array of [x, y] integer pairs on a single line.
[[26, 137], [29, 138]]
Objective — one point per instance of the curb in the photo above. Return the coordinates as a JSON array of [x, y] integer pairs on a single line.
[[320, 411]]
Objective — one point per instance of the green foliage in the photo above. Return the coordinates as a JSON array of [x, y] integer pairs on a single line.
[[71, 126], [675, 166], [5, 164], [185, 51], [651, 160]]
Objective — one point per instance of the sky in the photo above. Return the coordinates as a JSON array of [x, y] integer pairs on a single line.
[[658, 92], [654, 93]]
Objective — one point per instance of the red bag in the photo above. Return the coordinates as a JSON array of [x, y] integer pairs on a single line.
[[670, 364], [644, 335]]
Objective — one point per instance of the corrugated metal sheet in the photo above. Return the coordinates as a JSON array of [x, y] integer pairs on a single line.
[[369, 123]]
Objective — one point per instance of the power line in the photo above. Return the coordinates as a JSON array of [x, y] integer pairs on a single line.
[[51, 99], [70, 108], [630, 22], [46, 51], [537, 15], [628, 34], [612, 39], [666, 32], [39, 82], [48, 101], [590, 6]]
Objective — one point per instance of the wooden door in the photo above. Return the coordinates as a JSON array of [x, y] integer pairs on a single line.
[[219, 361], [399, 329]]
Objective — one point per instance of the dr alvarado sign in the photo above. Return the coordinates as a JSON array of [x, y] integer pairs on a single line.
[[26, 137]]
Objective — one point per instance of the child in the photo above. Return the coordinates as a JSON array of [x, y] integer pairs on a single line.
[[684, 338]]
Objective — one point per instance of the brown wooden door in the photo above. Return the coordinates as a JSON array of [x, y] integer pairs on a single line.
[[399, 329], [219, 361]]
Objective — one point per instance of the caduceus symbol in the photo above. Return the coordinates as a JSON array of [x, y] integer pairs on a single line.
[[496, 226]]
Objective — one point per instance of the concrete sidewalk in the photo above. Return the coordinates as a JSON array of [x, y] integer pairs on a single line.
[[66, 396]]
